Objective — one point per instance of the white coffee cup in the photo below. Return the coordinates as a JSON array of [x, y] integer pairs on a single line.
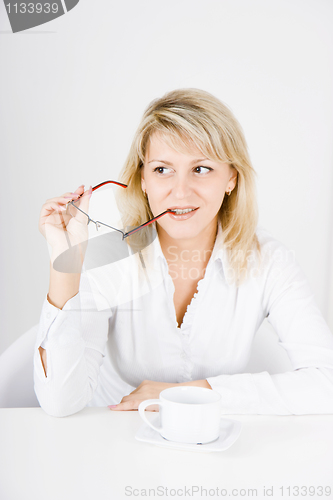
[[187, 414]]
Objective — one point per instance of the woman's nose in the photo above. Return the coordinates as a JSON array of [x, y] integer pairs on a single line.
[[182, 188]]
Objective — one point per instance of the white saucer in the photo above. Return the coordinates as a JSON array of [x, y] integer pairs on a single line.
[[229, 432]]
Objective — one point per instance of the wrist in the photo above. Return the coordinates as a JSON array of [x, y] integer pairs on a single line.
[[67, 260], [197, 383]]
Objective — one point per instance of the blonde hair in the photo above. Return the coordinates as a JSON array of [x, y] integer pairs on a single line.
[[193, 117]]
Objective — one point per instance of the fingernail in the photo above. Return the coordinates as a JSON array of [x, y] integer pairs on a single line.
[[112, 406], [90, 191], [61, 207]]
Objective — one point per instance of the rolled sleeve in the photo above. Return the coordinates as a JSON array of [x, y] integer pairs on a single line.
[[74, 338]]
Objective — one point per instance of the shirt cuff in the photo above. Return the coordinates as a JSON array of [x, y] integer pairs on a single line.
[[49, 314], [248, 393]]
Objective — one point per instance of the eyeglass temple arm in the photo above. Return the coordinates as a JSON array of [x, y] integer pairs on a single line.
[[109, 182], [93, 189], [146, 223]]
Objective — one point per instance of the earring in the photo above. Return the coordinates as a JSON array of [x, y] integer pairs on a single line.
[[229, 193], [145, 193]]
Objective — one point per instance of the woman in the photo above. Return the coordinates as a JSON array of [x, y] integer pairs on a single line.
[[195, 296]]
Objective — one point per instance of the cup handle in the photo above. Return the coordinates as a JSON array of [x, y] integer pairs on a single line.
[[143, 406]]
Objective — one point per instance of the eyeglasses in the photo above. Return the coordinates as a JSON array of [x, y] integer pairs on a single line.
[[99, 223]]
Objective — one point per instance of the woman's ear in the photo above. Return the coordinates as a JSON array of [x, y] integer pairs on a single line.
[[233, 178], [143, 184]]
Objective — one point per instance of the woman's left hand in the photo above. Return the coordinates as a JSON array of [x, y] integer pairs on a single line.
[[146, 390], [151, 390]]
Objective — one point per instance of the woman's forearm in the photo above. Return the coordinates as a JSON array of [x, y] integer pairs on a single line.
[[63, 286]]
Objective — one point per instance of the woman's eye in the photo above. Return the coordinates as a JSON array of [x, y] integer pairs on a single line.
[[202, 170], [160, 170]]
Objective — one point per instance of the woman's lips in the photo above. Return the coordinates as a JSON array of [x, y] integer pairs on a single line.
[[186, 216], [183, 208]]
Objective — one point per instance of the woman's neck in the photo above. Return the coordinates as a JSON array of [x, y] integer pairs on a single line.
[[195, 250]]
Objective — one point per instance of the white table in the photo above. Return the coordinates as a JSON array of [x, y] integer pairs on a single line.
[[94, 455]]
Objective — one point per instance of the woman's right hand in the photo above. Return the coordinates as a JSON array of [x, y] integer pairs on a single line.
[[65, 227]]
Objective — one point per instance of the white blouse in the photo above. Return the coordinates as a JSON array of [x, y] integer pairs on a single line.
[[121, 329]]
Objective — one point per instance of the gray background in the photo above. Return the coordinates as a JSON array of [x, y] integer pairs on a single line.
[[72, 93]]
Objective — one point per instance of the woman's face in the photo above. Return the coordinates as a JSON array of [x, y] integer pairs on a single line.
[[174, 180]]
